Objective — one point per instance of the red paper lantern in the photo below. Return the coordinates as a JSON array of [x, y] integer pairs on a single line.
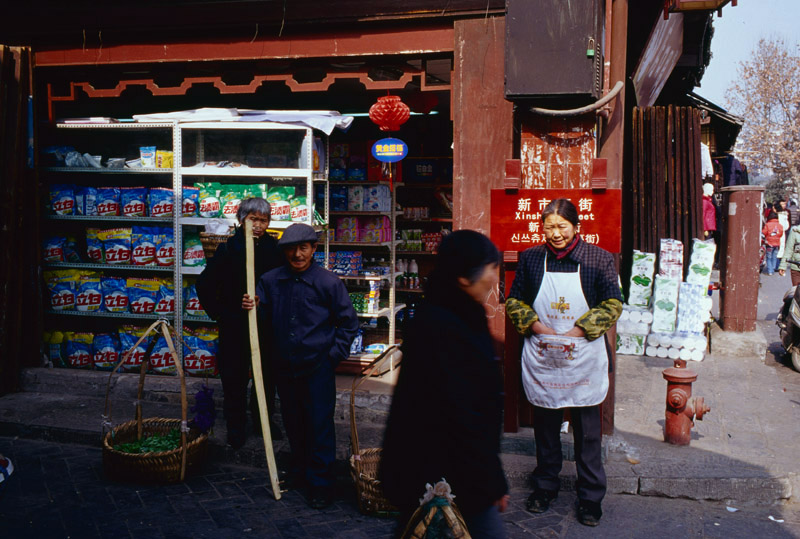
[[389, 113]]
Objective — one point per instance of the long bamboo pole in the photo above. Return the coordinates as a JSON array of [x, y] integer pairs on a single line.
[[258, 377]]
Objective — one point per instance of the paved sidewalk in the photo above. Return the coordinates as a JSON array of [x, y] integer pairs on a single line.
[[58, 491]]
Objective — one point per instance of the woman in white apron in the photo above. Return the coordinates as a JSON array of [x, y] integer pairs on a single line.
[[564, 298]]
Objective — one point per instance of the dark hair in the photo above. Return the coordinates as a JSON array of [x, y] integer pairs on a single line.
[[463, 253], [252, 205], [562, 207], [771, 215]]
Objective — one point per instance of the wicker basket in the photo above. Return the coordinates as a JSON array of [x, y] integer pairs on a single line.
[[364, 462], [164, 466], [211, 242]]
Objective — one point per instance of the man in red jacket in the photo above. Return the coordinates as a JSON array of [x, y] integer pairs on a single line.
[[773, 232]]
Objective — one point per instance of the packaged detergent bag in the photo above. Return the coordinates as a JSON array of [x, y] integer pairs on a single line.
[[116, 245], [94, 246], [133, 355], [165, 302], [161, 360], [108, 202], [200, 359], [63, 286], [165, 247], [193, 254], [79, 349], [143, 244], [192, 305], [279, 197], [230, 199], [208, 195], [105, 351], [86, 201], [191, 199], [90, 293], [299, 209], [142, 294], [133, 201], [115, 294], [161, 202], [62, 199], [71, 250], [53, 249], [55, 348]]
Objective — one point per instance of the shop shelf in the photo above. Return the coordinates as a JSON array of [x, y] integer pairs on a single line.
[[364, 213], [188, 318], [410, 290], [120, 124], [415, 253], [273, 225], [89, 265], [383, 313], [110, 218], [151, 316], [361, 244], [407, 220], [192, 270], [369, 277], [92, 170], [274, 173]]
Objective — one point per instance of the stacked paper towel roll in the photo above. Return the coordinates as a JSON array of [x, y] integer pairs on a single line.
[[683, 345]]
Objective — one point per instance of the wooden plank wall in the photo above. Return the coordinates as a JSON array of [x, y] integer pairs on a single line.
[[20, 327], [666, 183]]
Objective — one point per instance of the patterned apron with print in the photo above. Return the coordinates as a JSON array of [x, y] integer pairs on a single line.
[[560, 371]]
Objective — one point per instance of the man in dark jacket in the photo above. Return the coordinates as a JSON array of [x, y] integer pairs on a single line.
[[220, 289], [312, 323]]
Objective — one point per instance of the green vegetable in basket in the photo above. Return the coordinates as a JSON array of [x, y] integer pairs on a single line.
[[641, 280], [702, 270], [155, 443]]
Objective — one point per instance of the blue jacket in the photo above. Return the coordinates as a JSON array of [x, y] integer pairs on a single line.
[[311, 318]]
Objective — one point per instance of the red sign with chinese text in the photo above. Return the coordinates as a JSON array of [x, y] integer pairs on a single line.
[[517, 216]]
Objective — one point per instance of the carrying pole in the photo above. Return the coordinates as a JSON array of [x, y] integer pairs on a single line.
[[255, 358]]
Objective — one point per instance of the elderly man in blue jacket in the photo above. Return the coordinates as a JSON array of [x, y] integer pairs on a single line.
[[313, 324]]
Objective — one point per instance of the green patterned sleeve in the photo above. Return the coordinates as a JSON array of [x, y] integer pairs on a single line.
[[600, 319], [522, 315]]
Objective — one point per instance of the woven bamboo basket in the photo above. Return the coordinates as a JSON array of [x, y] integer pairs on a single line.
[[364, 463], [211, 242], [158, 467]]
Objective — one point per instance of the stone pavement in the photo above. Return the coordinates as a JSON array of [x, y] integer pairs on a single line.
[[58, 491]]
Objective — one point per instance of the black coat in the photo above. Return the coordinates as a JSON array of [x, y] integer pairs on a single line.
[[447, 409], [223, 283]]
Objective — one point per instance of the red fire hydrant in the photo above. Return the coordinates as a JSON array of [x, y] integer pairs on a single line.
[[680, 413]]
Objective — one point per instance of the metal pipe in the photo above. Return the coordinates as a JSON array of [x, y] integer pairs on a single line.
[[582, 110]]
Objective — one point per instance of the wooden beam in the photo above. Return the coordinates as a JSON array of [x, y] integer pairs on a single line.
[[366, 42]]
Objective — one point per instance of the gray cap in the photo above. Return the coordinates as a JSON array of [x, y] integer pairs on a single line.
[[297, 233]]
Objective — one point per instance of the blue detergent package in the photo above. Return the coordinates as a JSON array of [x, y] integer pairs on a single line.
[[165, 247], [143, 295], [79, 350], [108, 201], [54, 248], [62, 199], [165, 304], [115, 294], [90, 293], [191, 202], [161, 360], [161, 202], [133, 201], [200, 356], [105, 351], [128, 335], [86, 201], [143, 245]]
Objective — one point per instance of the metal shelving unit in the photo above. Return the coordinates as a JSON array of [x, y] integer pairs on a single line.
[[178, 133]]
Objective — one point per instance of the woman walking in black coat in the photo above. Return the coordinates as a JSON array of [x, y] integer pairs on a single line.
[[220, 289], [446, 415]]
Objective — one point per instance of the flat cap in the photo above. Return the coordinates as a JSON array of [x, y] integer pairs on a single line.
[[297, 233]]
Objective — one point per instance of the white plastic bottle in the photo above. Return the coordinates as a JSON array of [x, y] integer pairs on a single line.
[[413, 274]]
